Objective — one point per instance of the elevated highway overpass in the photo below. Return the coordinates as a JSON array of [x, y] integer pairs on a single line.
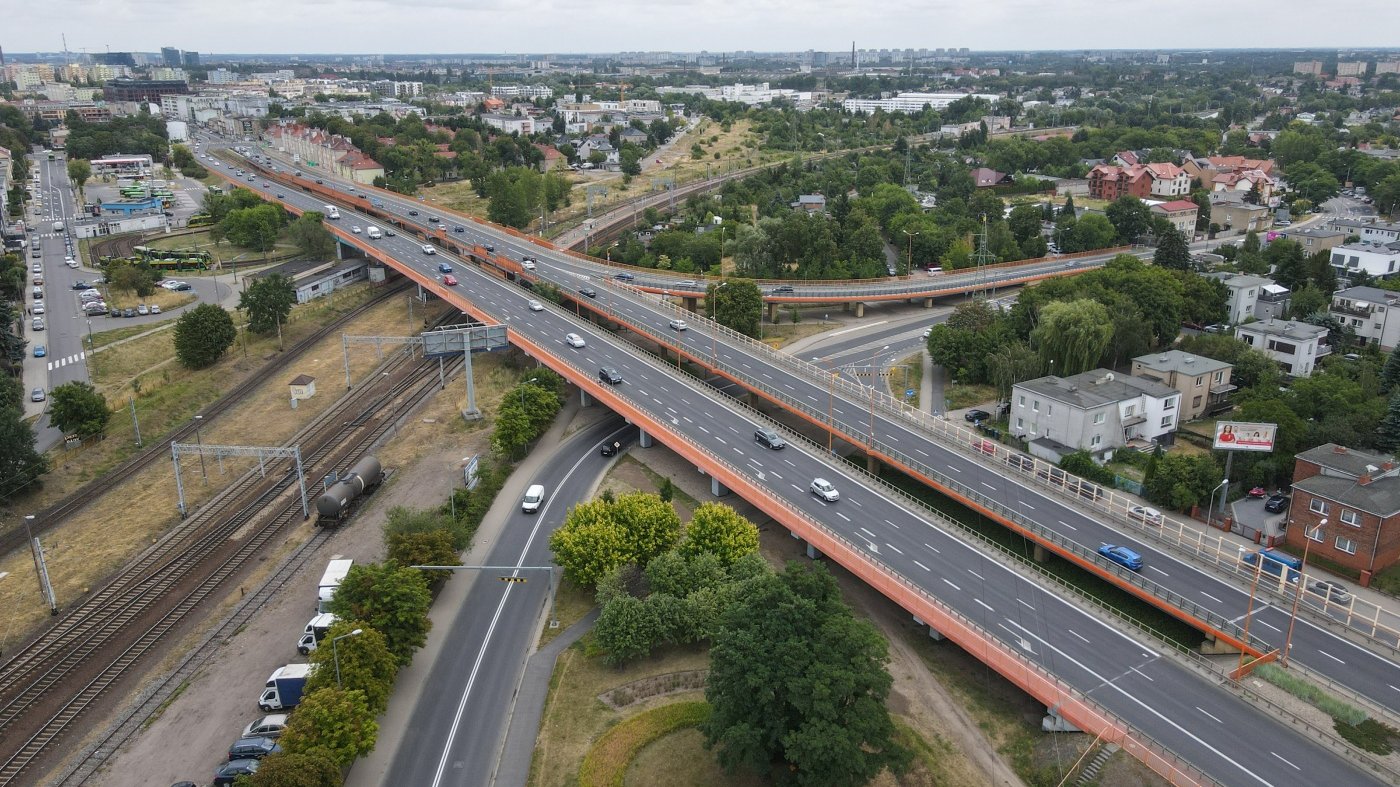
[[1075, 661]]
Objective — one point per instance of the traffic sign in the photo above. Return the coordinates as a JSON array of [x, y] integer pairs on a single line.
[[908, 393]]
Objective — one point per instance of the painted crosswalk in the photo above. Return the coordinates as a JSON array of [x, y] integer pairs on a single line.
[[59, 363]]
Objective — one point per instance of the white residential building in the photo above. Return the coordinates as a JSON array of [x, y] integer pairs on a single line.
[[510, 124], [1379, 260], [912, 102], [1096, 411], [1373, 313], [1244, 294], [1296, 346], [1368, 231]]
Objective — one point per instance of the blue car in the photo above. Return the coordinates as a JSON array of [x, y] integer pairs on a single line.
[[1123, 556], [40, 351], [444, 267]]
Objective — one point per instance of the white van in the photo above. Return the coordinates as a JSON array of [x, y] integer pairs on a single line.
[[534, 498], [332, 212], [373, 233]]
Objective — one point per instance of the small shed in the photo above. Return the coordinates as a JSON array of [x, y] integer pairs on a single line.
[[303, 387]]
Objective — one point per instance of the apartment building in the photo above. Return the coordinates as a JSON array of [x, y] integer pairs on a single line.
[[1096, 411], [1295, 346]]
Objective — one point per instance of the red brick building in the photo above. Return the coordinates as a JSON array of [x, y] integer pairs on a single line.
[[1358, 493], [1108, 182]]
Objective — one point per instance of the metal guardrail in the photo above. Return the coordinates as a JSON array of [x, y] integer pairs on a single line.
[[1378, 625], [1143, 742]]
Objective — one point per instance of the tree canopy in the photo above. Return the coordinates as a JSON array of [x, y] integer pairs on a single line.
[[202, 334]]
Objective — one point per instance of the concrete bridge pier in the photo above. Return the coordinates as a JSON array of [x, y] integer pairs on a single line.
[[584, 399], [690, 303], [644, 439], [860, 309], [1214, 647], [933, 633], [773, 313], [717, 489], [928, 303], [812, 552], [1040, 555], [1054, 722], [872, 465]]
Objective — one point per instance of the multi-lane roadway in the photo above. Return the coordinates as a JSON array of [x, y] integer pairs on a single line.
[[1204, 724]]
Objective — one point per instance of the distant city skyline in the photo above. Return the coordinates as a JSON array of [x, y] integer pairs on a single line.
[[368, 27]]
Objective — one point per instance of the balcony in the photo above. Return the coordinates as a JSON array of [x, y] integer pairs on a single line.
[[1355, 310]]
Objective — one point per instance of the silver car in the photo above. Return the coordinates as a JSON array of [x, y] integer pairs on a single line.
[[822, 488]]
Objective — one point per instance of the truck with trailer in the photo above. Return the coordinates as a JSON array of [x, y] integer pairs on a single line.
[[314, 632], [335, 573], [284, 687]]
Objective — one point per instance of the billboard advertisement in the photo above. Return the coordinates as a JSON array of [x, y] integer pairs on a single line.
[[1240, 436]]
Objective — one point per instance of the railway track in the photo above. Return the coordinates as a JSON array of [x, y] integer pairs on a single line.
[[156, 593], [14, 538]]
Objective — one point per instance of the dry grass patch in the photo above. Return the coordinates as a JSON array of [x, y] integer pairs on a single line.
[[680, 759], [786, 332], [165, 299], [102, 537], [608, 760], [571, 603], [907, 375], [574, 717]]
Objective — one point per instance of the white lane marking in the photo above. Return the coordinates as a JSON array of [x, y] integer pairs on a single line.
[[975, 574], [1209, 715], [1149, 677], [1066, 524], [1330, 656], [1158, 570], [895, 548], [1268, 625], [721, 441], [857, 502], [922, 451], [950, 584], [1286, 762], [789, 463], [989, 486], [1130, 696], [1024, 604], [795, 486], [934, 548], [891, 524], [856, 328], [1027, 505], [703, 429], [843, 516], [1077, 634], [867, 532], [686, 418], [955, 468], [1209, 596], [926, 568], [984, 604]]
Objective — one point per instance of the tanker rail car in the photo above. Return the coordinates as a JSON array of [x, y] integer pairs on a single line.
[[335, 504]]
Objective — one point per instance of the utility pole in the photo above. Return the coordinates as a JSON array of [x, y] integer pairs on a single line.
[[984, 255]]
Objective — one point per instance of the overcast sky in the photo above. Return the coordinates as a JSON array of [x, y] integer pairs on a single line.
[[545, 26]]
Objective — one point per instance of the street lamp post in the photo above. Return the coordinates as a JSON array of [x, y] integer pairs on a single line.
[[1298, 595], [335, 653], [198, 420], [872, 392], [909, 259], [714, 313], [1210, 511]]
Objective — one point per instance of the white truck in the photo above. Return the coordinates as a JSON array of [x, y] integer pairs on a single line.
[[374, 233], [314, 632], [332, 212], [335, 573]]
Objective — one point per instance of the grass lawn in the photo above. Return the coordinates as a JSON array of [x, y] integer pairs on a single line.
[[786, 331], [960, 395], [101, 338], [571, 603], [907, 375]]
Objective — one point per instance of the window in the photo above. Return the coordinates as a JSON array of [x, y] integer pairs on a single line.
[[1020, 423], [1130, 411], [1220, 377], [1166, 421], [1022, 402], [1098, 418], [1200, 380], [1350, 517], [1035, 405], [1094, 443], [1346, 545], [1170, 404], [1317, 506], [1314, 533], [1195, 403]]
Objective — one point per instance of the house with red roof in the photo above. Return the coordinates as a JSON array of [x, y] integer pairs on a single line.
[[333, 153], [986, 178], [1109, 182], [1179, 213]]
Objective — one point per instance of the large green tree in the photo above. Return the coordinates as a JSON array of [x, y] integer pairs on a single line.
[[599, 535], [309, 234], [736, 304], [296, 770], [1131, 218], [364, 659], [1172, 252], [268, 301], [1388, 434], [333, 723], [796, 679], [202, 334], [1073, 335], [20, 464], [78, 408], [392, 599], [719, 530], [80, 172]]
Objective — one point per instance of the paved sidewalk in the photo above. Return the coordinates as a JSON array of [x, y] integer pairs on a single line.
[[513, 767]]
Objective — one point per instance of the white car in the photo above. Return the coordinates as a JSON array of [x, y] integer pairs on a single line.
[[528, 264], [428, 249], [1145, 514], [678, 325], [822, 488], [574, 340], [355, 229], [536, 306], [38, 308]]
